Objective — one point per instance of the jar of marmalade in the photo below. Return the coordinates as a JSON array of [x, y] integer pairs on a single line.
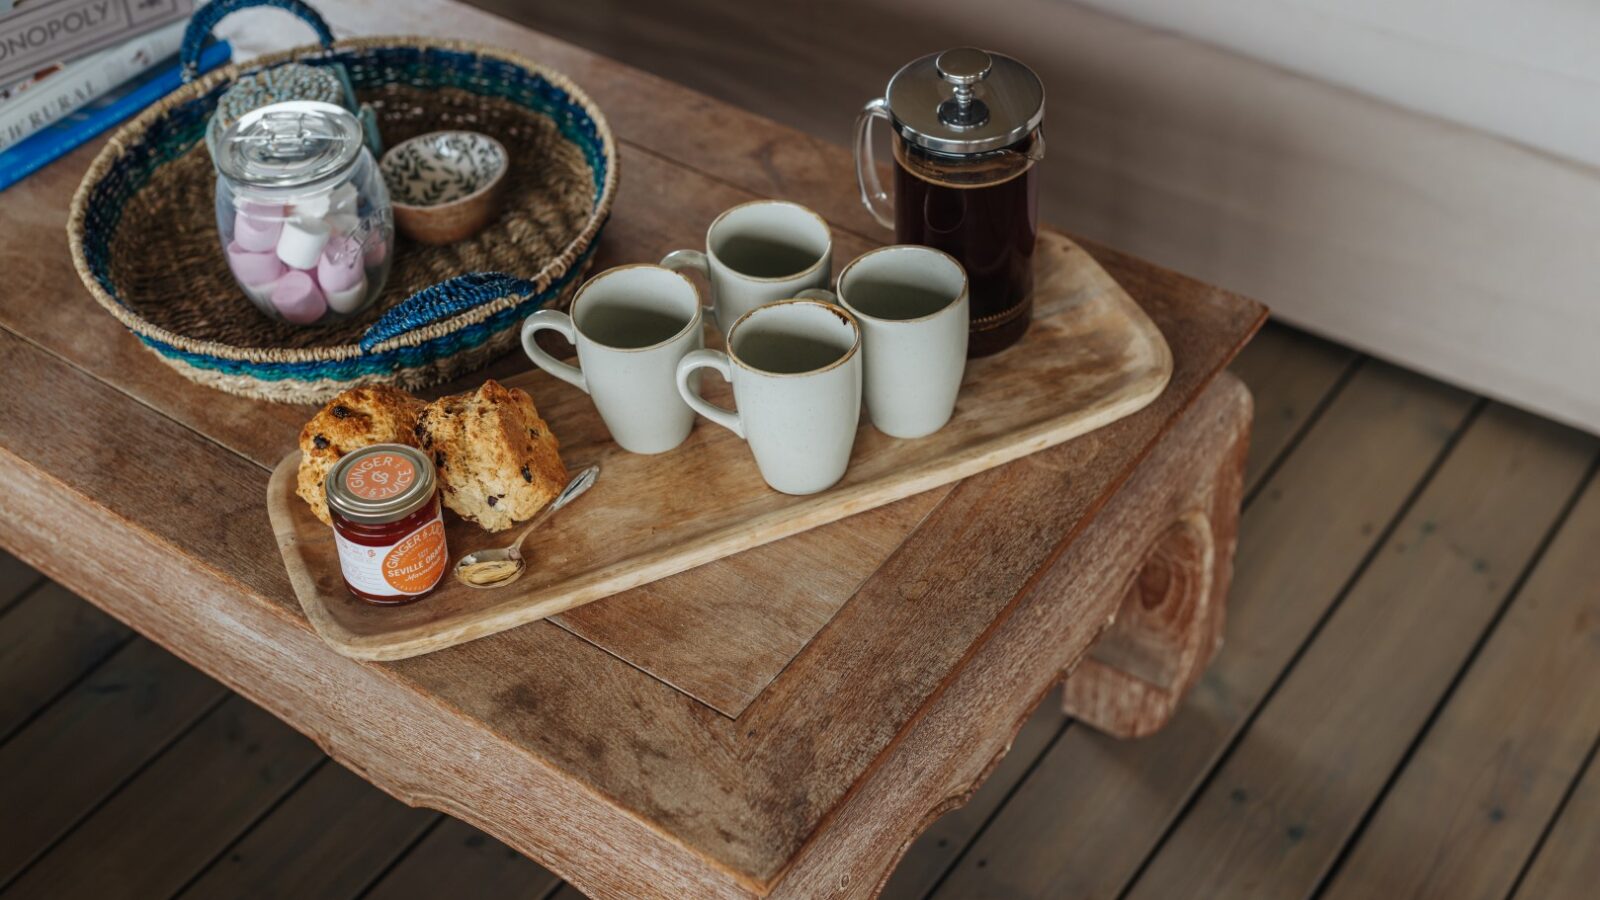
[[384, 501]]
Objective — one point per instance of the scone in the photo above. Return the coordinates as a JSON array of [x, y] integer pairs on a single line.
[[497, 460], [357, 418]]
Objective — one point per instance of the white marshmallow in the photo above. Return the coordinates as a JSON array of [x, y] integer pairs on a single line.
[[300, 245], [341, 199], [348, 300], [315, 206]]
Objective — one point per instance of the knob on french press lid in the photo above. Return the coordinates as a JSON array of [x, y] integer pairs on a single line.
[[965, 100], [963, 68]]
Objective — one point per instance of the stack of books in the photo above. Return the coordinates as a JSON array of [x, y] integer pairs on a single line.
[[70, 69]]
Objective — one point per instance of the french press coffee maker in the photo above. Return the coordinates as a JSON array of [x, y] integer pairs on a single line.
[[966, 137]]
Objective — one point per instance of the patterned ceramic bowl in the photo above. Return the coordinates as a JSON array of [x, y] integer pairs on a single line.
[[445, 186]]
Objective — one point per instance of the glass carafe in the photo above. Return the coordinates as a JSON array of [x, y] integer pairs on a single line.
[[967, 137]]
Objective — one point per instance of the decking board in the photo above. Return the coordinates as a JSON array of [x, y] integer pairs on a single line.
[[48, 640], [333, 836], [152, 835], [1292, 375], [455, 859], [1567, 864], [17, 578], [88, 742]]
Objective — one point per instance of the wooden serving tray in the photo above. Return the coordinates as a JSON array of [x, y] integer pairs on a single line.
[[1090, 358]]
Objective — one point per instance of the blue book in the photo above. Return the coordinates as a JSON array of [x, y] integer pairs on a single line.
[[39, 150]]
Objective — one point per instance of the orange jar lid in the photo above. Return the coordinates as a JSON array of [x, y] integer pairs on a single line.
[[379, 484]]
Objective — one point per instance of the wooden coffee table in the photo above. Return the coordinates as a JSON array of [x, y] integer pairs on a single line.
[[780, 723]]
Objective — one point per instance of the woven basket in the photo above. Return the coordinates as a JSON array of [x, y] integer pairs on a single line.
[[144, 237]]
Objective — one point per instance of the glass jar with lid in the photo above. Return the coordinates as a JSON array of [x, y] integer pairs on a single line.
[[387, 524], [967, 135], [302, 211]]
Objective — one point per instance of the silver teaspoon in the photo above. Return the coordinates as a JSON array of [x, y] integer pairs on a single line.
[[499, 567]]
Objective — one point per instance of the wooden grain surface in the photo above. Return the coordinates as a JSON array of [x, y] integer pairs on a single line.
[[1278, 811], [455, 855], [97, 735], [19, 580], [48, 640], [1567, 864], [1094, 811], [455, 858], [231, 767], [1090, 358], [1292, 377], [1490, 772], [926, 861], [739, 646], [358, 831], [972, 720], [102, 443], [365, 701]]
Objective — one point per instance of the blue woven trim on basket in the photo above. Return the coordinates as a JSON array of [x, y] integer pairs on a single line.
[[177, 131], [438, 302], [393, 360]]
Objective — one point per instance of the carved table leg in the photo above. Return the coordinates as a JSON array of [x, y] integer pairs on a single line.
[[1169, 624], [1181, 498]]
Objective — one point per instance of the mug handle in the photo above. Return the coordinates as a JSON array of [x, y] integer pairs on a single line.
[[873, 196], [555, 321], [708, 359], [823, 294], [691, 261]]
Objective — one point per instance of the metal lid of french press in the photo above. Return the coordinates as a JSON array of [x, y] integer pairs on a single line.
[[965, 101], [293, 144]]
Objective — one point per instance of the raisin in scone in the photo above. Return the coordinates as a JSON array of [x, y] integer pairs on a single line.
[[497, 460], [359, 417]]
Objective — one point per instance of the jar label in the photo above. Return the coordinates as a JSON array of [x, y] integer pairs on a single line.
[[379, 476], [412, 565]]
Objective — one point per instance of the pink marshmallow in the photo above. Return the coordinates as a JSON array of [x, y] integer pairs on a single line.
[[254, 269], [298, 299], [261, 210], [261, 294], [256, 227], [340, 267], [350, 300]]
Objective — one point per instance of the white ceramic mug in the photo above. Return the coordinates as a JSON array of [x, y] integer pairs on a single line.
[[631, 325], [912, 304], [758, 252], [795, 366]]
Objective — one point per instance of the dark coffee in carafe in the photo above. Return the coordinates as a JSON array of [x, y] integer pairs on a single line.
[[967, 141], [984, 216]]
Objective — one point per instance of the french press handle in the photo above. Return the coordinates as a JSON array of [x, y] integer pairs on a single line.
[[873, 196]]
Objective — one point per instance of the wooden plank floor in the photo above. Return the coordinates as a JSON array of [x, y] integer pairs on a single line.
[[1404, 706]]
